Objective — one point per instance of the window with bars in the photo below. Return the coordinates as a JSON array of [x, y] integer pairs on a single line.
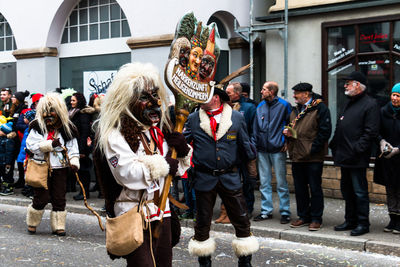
[[95, 20], [7, 41]]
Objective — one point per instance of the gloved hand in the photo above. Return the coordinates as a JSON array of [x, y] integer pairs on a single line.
[[383, 144], [173, 164], [56, 142], [395, 151], [178, 141], [74, 168]]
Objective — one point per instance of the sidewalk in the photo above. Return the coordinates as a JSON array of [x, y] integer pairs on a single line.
[[376, 241]]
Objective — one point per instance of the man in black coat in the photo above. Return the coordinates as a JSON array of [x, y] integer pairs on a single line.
[[218, 135], [356, 129]]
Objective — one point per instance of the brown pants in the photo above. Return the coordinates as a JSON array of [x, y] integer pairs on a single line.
[[235, 205], [57, 184], [162, 249]]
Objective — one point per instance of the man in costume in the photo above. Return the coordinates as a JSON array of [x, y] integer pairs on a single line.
[[219, 135], [49, 134], [137, 153]]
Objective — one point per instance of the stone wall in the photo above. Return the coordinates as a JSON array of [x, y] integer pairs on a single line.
[[331, 184]]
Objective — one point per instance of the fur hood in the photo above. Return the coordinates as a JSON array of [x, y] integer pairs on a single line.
[[89, 110]]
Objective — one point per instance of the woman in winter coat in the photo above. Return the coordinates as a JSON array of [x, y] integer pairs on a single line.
[[387, 165], [82, 121]]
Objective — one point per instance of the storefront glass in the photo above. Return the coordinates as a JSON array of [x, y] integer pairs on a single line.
[[371, 46]]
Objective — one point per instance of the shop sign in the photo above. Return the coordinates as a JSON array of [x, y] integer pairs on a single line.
[[97, 82], [374, 38]]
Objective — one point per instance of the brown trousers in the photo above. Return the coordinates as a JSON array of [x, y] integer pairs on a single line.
[[57, 184], [235, 205], [162, 249]]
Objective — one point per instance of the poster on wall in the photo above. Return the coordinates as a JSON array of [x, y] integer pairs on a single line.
[[97, 82]]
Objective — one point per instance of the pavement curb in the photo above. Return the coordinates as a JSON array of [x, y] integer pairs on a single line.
[[316, 238]]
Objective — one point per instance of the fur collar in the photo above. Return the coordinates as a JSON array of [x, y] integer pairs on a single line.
[[224, 124]]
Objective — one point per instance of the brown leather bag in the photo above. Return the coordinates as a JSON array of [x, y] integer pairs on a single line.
[[124, 233], [37, 172]]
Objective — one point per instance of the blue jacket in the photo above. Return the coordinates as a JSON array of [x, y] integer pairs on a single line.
[[22, 153], [248, 110], [232, 141], [269, 122]]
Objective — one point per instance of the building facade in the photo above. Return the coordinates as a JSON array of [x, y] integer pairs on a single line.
[[54, 43], [328, 39]]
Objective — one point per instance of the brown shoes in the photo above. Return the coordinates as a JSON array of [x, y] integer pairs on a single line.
[[314, 226], [223, 217], [299, 223]]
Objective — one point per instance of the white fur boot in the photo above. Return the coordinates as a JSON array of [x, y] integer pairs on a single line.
[[244, 246], [33, 218], [57, 222], [202, 248]]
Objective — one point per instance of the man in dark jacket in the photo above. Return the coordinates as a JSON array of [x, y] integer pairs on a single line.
[[308, 134], [219, 135], [248, 170], [271, 116], [356, 129]]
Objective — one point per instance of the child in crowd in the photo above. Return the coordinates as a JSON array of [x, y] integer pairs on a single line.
[[7, 146], [28, 117]]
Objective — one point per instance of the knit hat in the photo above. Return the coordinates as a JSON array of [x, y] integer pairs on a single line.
[[302, 87], [21, 96], [30, 115], [36, 97], [6, 127], [396, 88]]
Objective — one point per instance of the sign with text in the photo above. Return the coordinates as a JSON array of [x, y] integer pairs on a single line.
[[97, 82]]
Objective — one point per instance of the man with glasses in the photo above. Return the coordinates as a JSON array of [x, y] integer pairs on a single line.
[[356, 128]]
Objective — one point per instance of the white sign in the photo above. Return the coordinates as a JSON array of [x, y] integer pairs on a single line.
[[97, 82]]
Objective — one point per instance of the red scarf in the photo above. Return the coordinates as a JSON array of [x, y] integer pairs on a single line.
[[50, 135], [213, 122], [159, 139]]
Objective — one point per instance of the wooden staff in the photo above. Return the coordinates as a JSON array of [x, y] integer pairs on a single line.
[[181, 117], [83, 191]]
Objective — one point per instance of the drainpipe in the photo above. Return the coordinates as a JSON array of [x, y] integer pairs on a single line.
[[285, 71]]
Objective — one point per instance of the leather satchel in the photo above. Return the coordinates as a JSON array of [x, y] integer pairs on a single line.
[[124, 233], [37, 173]]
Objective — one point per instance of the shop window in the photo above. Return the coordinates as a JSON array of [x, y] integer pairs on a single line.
[[7, 42], [371, 46], [93, 20]]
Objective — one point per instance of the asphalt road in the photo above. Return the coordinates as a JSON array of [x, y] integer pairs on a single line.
[[84, 245]]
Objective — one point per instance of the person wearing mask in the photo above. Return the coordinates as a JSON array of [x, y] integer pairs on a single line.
[[356, 129], [52, 137], [134, 148]]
